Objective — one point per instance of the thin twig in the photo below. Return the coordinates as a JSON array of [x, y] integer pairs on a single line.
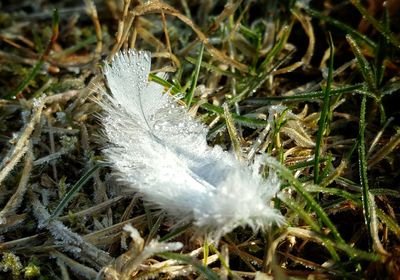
[[21, 147], [92, 12], [16, 199]]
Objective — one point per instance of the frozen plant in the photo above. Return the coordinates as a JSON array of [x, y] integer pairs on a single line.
[[162, 153]]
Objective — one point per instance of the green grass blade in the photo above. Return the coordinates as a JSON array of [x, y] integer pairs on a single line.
[[322, 123], [171, 87], [71, 50], [250, 122], [313, 204], [299, 210], [265, 69], [276, 48], [232, 131], [378, 26], [26, 81], [346, 28], [363, 65], [334, 191], [74, 190], [35, 70], [206, 251], [390, 87], [355, 198], [363, 167], [155, 227], [305, 164], [356, 253], [175, 233], [222, 260], [213, 68], [189, 96], [389, 221], [348, 249], [387, 192], [368, 75], [382, 51], [306, 96], [388, 148]]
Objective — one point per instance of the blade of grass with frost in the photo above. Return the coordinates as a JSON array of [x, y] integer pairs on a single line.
[[162, 153]]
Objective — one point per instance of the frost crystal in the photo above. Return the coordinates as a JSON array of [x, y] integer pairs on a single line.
[[68, 240], [161, 152]]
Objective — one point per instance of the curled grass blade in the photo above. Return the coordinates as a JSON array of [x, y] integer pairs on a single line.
[[376, 242]]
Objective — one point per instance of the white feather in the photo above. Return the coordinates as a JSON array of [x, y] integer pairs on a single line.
[[161, 152]]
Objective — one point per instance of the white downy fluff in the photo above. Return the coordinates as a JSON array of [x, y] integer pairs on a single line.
[[162, 153]]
